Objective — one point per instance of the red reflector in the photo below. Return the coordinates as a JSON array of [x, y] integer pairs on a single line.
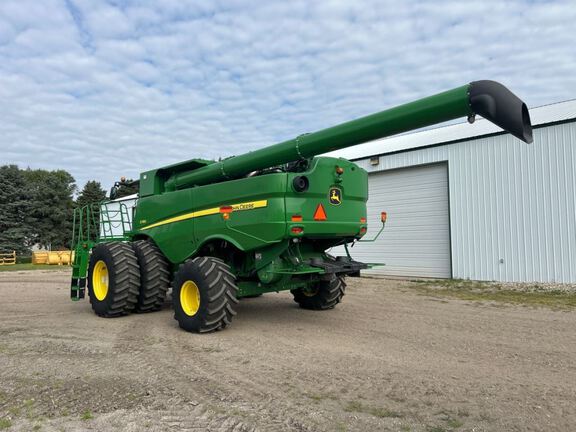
[[362, 220], [297, 230], [383, 216], [320, 213], [226, 209], [362, 230], [296, 218]]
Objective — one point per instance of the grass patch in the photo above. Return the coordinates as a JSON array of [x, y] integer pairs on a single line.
[[355, 406], [5, 423], [16, 267], [86, 415], [317, 397], [486, 291], [454, 423]]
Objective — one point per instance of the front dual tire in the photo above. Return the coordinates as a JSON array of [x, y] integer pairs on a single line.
[[113, 279], [127, 277]]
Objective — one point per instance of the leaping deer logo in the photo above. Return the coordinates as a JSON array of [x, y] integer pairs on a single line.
[[335, 196]]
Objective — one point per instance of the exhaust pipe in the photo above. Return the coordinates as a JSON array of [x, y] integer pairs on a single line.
[[496, 103]]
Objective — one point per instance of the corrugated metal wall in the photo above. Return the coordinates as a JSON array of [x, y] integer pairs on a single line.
[[512, 205], [416, 241]]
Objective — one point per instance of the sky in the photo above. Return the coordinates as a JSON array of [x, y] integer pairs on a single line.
[[106, 89]]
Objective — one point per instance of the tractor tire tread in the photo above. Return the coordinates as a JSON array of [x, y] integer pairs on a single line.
[[329, 294], [221, 294], [154, 275], [127, 281]]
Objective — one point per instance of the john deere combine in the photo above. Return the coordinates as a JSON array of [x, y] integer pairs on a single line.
[[260, 222]]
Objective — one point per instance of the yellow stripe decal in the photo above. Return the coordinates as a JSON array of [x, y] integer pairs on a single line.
[[211, 211]]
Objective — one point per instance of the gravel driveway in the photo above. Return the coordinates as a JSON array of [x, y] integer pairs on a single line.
[[389, 357]]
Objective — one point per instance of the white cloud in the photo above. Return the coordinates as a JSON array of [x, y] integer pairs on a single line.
[[105, 89]]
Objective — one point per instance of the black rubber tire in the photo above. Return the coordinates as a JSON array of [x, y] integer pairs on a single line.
[[218, 291], [154, 276], [326, 296], [123, 279]]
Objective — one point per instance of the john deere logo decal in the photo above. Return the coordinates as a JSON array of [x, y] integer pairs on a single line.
[[335, 196]]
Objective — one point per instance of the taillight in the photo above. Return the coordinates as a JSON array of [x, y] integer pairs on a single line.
[[226, 210], [297, 230]]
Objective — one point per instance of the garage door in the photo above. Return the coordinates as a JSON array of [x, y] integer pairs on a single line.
[[416, 241]]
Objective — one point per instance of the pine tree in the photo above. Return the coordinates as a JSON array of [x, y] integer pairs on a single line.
[[14, 211], [52, 206], [91, 193]]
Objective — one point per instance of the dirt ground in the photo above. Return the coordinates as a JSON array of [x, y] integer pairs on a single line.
[[387, 358]]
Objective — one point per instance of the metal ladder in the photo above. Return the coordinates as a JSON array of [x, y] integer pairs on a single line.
[[92, 224]]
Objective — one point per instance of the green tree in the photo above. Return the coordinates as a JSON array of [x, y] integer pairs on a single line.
[[91, 193], [51, 208], [14, 210]]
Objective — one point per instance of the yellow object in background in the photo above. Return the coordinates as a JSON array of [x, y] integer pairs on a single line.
[[8, 258], [52, 257]]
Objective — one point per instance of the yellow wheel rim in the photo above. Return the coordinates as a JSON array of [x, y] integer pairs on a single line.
[[190, 298], [100, 280], [310, 292]]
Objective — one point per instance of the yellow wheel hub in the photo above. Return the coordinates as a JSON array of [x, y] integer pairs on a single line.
[[100, 280], [190, 298], [310, 292]]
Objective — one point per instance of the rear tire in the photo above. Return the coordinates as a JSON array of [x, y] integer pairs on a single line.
[[113, 279], [204, 295], [154, 276], [321, 296]]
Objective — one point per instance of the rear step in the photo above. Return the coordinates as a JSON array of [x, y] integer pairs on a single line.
[[80, 271]]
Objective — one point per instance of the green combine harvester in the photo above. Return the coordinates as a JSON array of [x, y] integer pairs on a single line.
[[217, 231]]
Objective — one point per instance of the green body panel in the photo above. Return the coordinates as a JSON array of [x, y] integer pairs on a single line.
[[255, 228], [152, 182], [342, 220]]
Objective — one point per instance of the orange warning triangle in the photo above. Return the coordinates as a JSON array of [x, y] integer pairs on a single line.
[[320, 213]]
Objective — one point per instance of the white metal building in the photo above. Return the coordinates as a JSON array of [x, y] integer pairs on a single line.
[[469, 201]]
